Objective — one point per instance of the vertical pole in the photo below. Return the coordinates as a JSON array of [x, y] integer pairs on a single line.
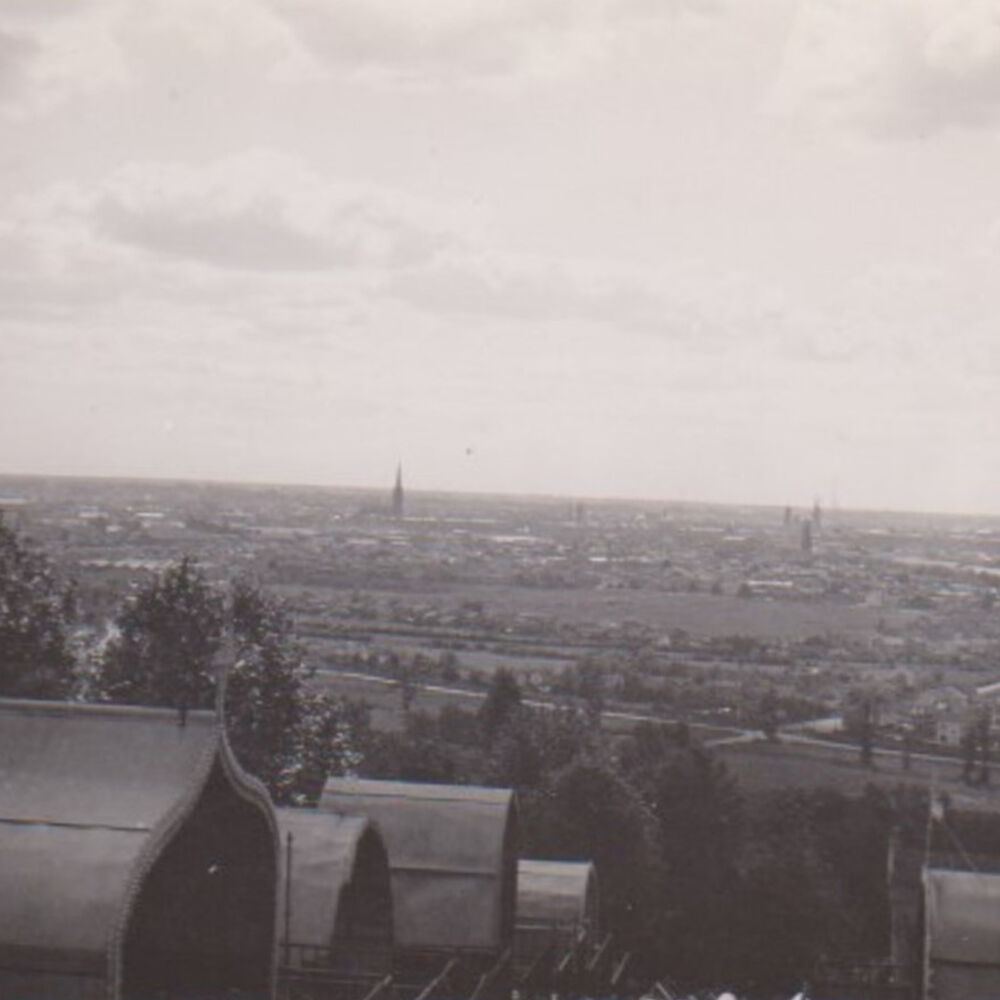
[[288, 900]]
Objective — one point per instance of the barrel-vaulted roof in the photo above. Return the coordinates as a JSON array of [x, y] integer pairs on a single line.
[[320, 861], [963, 917], [556, 893], [89, 796], [452, 855]]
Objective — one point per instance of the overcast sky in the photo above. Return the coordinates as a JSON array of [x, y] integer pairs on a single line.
[[736, 250]]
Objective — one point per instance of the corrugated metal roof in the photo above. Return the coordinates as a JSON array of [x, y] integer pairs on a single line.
[[452, 853], [963, 917], [560, 893], [89, 795], [324, 859]]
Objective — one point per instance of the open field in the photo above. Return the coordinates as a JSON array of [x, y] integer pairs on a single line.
[[384, 697], [709, 615], [765, 766]]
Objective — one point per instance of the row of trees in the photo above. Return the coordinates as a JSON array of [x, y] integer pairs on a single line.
[[181, 642], [705, 882]]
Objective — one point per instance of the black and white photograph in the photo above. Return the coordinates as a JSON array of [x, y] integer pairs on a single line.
[[499, 499]]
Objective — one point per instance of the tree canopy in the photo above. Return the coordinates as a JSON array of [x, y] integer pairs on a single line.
[[36, 611], [178, 633]]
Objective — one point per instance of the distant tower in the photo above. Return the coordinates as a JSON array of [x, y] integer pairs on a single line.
[[817, 515], [397, 493], [807, 536]]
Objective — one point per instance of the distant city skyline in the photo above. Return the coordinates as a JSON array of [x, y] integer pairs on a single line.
[[700, 250]]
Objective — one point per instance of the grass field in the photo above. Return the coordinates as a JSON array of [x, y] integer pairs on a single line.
[[763, 766], [700, 614]]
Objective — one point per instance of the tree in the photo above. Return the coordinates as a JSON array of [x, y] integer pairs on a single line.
[[587, 810], [288, 736], [267, 715], [169, 638], [502, 700], [36, 660], [767, 715], [534, 743], [168, 634]]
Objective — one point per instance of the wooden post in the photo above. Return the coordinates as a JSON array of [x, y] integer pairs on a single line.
[[288, 899]]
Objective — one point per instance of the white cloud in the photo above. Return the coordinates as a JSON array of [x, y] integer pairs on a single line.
[[60, 50], [56, 51], [904, 67], [438, 41], [256, 211]]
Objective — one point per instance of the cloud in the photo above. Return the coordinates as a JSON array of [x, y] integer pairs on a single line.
[[437, 41], [256, 211], [53, 51], [899, 67], [56, 51]]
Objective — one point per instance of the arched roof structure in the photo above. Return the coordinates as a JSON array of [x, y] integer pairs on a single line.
[[115, 824], [962, 934], [452, 855], [557, 894], [336, 891]]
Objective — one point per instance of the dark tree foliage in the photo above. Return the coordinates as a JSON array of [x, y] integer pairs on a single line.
[[502, 699], [813, 883], [533, 743], [697, 811], [168, 634], [588, 811], [768, 715], [289, 737], [416, 754], [168, 652], [35, 614]]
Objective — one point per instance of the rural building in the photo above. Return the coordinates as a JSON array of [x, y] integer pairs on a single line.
[[136, 859], [453, 863], [336, 918], [962, 935]]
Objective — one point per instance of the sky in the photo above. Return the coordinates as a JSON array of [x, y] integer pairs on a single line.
[[724, 250]]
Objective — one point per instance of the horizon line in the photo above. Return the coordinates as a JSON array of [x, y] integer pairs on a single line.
[[567, 497]]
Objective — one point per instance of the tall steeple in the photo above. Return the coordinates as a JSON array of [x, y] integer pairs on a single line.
[[397, 492]]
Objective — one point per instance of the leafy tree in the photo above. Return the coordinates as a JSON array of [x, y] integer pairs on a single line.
[[35, 611], [287, 736], [169, 638], [416, 754], [332, 735], [767, 715], [502, 699], [534, 743], [588, 811], [168, 634], [698, 813]]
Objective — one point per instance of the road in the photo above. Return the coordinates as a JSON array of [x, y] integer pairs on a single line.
[[798, 733]]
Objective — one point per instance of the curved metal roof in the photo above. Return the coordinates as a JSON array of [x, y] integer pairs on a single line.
[[556, 893], [963, 917], [326, 854], [89, 796], [452, 854]]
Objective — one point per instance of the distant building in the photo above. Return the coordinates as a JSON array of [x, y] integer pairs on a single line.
[[807, 536], [397, 493]]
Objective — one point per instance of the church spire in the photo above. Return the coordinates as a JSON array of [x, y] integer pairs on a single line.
[[397, 492]]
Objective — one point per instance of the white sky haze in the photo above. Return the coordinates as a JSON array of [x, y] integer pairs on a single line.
[[729, 250]]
